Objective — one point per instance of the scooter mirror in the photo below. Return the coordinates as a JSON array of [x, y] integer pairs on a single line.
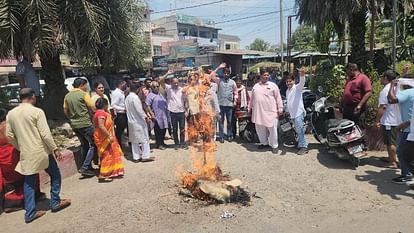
[[320, 89]]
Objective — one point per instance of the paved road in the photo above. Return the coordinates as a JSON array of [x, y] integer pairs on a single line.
[[311, 193]]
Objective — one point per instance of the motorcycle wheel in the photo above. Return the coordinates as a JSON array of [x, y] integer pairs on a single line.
[[355, 161]]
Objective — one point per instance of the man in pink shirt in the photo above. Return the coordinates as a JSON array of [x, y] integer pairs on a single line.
[[265, 107]]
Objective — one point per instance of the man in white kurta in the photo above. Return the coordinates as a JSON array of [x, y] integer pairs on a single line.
[[265, 107], [137, 126]]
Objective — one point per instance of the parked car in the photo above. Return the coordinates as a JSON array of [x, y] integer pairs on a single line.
[[69, 82], [11, 92]]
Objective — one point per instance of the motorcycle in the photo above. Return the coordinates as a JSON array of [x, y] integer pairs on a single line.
[[341, 136], [247, 129], [286, 131]]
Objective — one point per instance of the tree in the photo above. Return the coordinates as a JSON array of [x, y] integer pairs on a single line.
[[97, 31], [259, 45], [339, 12], [303, 38]]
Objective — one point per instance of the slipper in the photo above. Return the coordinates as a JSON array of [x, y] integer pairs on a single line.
[[12, 209], [105, 180], [151, 159], [384, 159], [62, 205], [38, 214]]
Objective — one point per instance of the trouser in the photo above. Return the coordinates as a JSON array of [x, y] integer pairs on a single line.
[[407, 154], [85, 136], [30, 189], [226, 111], [159, 134], [401, 138], [140, 150], [234, 121], [348, 113], [178, 122], [268, 135], [121, 123], [300, 130]]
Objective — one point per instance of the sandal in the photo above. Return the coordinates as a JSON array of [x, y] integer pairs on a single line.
[[38, 214], [105, 180], [62, 205]]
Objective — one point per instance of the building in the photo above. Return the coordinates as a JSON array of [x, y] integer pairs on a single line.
[[184, 27], [228, 42]]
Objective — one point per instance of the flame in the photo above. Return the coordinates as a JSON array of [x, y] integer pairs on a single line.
[[200, 131]]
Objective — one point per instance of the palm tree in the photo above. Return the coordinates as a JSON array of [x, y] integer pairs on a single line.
[[97, 31], [320, 12]]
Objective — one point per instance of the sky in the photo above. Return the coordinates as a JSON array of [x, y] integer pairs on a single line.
[[266, 27]]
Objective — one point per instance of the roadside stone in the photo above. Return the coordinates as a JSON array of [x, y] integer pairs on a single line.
[[65, 130]]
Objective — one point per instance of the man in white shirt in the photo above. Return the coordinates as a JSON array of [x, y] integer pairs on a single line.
[[296, 109], [407, 145], [175, 101], [118, 104], [388, 118]]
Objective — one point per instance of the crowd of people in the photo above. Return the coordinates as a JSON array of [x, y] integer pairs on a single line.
[[163, 104]]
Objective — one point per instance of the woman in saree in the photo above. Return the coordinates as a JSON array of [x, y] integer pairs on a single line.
[[109, 150], [11, 182]]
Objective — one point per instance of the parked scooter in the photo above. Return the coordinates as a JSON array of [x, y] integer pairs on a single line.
[[286, 131], [247, 129], [342, 137]]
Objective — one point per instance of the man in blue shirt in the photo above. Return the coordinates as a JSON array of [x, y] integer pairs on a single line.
[[27, 76], [405, 99]]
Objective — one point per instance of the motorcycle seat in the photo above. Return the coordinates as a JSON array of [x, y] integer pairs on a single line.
[[334, 123]]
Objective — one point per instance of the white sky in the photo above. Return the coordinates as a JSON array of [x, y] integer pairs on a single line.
[[266, 27]]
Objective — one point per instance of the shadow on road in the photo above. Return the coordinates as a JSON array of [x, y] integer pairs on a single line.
[[382, 180]]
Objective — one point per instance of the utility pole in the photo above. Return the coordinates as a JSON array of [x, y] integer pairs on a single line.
[[281, 33], [346, 41], [394, 33]]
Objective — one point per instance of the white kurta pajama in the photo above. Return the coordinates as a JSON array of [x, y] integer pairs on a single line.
[[137, 127], [265, 106]]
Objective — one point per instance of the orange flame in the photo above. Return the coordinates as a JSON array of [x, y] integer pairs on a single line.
[[201, 131]]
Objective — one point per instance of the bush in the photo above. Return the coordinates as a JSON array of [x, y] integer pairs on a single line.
[[332, 80], [400, 65], [376, 89]]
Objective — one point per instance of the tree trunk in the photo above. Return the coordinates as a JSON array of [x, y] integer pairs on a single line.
[[357, 32], [372, 33], [55, 86]]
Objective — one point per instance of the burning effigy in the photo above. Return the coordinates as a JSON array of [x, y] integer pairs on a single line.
[[206, 181]]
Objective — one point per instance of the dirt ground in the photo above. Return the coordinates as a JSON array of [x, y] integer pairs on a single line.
[[311, 193]]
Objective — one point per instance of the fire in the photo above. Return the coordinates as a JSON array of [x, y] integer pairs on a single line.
[[201, 132]]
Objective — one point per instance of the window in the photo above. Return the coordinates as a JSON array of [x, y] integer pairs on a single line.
[[204, 34], [182, 31], [193, 32], [228, 46]]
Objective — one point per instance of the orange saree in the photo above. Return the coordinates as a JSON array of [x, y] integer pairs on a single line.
[[110, 154]]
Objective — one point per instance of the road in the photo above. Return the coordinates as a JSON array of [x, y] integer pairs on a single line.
[[311, 193]]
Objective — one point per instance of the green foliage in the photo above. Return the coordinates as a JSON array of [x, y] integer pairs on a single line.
[[265, 65], [259, 45], [400, 65], [332, 80], [322, 37], [303, 38], [375, 78]]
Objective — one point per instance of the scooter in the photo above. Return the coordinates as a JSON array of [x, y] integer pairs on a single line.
[[247, 129], [287, 134], [341, 136]]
